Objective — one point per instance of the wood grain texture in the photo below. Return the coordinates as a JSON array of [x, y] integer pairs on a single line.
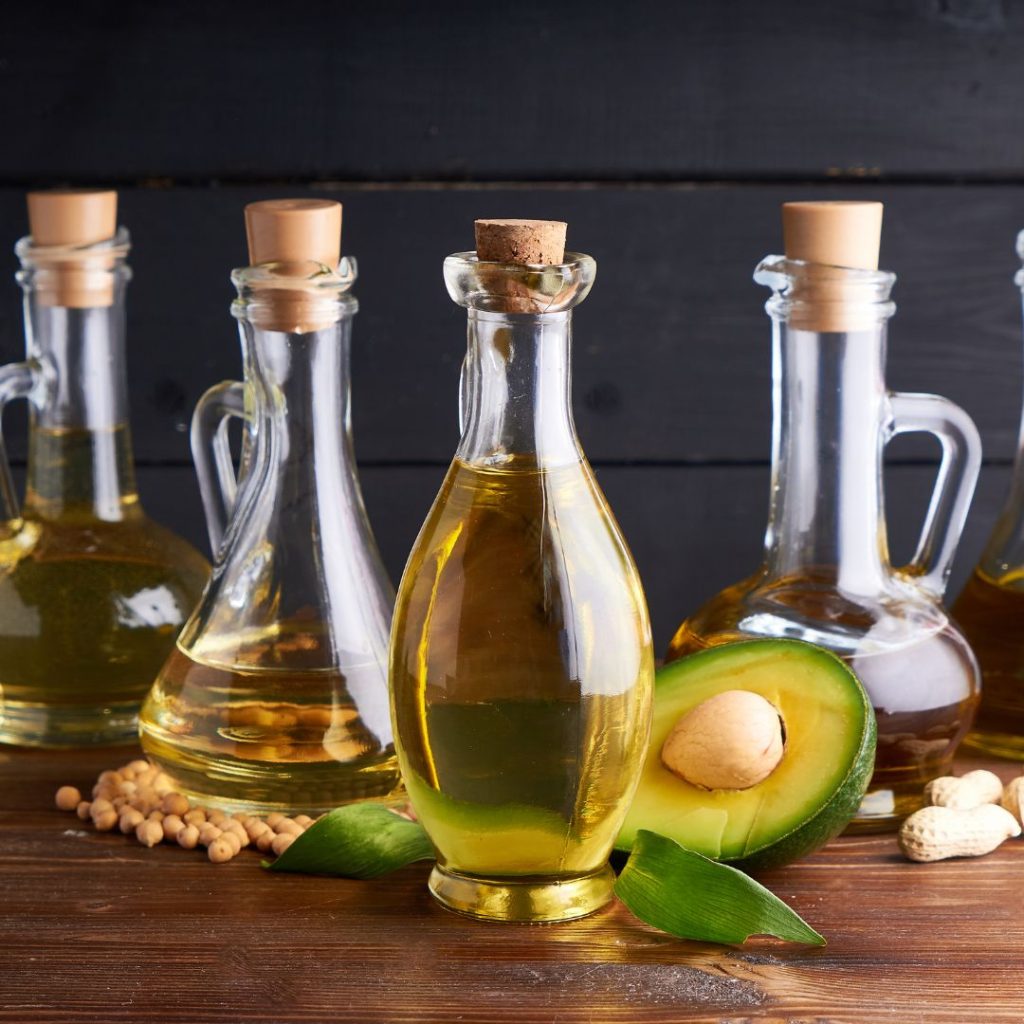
[[672, 353], [398, 89], [93, 927]]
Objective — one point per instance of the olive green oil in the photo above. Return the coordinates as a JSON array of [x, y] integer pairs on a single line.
[[521, 673], [92, 594]]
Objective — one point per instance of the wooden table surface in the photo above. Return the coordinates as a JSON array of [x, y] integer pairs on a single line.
[[94, 927]]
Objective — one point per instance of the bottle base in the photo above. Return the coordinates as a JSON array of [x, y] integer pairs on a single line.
[[894, 797], [250, 786], [533, 899], [1007, 745], [882, 810], [26, 724]]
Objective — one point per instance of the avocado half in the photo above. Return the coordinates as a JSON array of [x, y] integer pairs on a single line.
[[811, 795]]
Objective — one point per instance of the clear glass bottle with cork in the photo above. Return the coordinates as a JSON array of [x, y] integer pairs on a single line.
[[92, 591], [827, 576], [275, 697], [521, 661], [990, 610]]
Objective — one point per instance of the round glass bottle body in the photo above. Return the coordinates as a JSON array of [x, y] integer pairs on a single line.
[[92, 591], [521, 664], [827, 578], [276, 695]]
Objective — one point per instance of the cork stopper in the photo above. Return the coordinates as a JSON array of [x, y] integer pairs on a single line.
[[526, 242], [833, 237], [834, 233], [292, 234], [294, 231], [74, 217]]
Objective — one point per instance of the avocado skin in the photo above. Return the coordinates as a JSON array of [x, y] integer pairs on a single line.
[[832, 817]]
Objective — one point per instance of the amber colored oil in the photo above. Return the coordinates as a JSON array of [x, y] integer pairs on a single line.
[[991, 614], [521, 682], [89, 605], [256, 723], [922, 687]]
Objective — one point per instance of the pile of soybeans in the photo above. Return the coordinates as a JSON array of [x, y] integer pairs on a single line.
[[140, 800]]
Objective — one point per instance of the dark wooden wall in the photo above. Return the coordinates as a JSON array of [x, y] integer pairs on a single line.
[[667, 134]]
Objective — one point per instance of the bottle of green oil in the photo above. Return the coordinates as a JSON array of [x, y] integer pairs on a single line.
[[521, 662], [92, 591]]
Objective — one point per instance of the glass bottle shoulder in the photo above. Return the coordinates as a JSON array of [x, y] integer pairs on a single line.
[[811, 606]]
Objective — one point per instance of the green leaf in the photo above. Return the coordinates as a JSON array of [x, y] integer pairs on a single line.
[[688, 895], [672, 888], [358, 841]]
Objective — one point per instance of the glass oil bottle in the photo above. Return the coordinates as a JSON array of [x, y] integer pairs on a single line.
[[521, 665], [826, 577], [275, 697], [92, 591], [990, 611]]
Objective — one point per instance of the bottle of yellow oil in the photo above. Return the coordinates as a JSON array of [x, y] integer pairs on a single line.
[[275, 697], [92, 591], [521, 661]]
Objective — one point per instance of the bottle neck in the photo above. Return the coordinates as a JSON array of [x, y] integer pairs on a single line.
[[301, 400], [300, 501], [516, 384], [80, 456], [830, 410]]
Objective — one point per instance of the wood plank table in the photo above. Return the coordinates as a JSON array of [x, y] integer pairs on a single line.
[[94, 927]]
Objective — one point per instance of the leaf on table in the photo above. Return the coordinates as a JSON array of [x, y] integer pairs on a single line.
[[358, 841], [688, 895]]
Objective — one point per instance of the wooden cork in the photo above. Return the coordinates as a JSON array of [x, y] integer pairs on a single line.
[[74, 217], [292, 233], [838, 234], [526, 242], [829, 235]]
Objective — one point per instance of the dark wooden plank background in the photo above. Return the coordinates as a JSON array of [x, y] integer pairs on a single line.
[[531, 90], [666, 134]]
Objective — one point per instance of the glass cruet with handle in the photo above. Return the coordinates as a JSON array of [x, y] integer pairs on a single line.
[[826, 576], [275, 697], [92, 591], [521, 659]]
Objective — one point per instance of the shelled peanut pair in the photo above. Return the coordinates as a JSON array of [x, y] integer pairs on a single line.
[[964, 816], [139, 799]]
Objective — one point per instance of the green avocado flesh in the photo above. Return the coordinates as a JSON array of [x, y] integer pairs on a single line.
[[816, 788]]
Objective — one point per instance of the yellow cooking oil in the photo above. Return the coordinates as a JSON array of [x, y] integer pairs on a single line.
[[990, 611], [521, 674], [267, 721], [92, 594]]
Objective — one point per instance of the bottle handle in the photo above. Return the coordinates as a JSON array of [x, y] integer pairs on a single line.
[[954, 484], [17, 380], [211, 453]]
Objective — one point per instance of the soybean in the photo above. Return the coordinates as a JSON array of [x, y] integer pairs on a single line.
[[67, 798]]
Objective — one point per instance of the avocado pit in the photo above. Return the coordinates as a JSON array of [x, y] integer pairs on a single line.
[[733, 740]]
